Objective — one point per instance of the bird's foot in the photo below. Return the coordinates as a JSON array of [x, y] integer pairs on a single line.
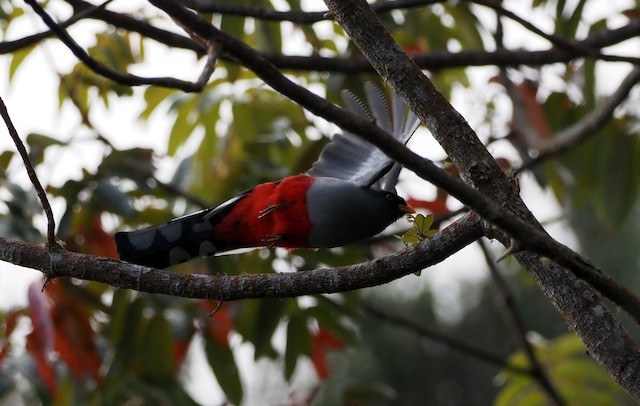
[[268, 210], [272, 239]]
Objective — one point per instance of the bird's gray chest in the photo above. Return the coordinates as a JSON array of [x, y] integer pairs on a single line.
[[341, 213]]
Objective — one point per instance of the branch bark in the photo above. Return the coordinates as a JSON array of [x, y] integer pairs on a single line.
[[350, 65], [129, 276], [126, 78]]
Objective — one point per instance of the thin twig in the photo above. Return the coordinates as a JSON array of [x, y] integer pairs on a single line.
[[434, 59], [294, 16], [193, 199], [450, 341], [589, 125], [572, 46], [121, 78], [303, 17], [510, 312], [51, 223], [13, 46]]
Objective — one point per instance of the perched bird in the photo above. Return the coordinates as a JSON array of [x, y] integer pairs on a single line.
[[347, 196]]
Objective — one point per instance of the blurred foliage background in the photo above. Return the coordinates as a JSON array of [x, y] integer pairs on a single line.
[[85, 343]]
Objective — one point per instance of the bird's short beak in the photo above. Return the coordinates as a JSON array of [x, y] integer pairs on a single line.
[[405, 208]]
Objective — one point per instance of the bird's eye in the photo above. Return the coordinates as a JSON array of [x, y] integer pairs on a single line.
[[389, 197]]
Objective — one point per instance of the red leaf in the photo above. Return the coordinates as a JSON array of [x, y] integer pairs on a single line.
[[98, 241], [180, 344], [41, 339], [322, 342], [414, 49], [74, 336], [528, 91], [437, 206], [220, 323], [10, 323], [180, 349]]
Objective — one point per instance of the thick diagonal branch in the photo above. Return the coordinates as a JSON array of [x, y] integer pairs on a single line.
[[601, 332]]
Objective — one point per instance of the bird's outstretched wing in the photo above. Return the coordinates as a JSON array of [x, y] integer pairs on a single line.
[[350, 157]]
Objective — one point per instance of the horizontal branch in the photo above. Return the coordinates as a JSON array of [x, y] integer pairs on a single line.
[[331, 280], [125, 78], [436, 59], [8, 47], [442, 59], [294, 16], [574, 47]]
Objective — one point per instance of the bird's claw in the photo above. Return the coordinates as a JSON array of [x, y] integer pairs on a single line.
[[512, 249], [267, 210], [272, 239]]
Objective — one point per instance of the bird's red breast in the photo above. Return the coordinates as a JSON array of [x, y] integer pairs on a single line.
[[271, 214]]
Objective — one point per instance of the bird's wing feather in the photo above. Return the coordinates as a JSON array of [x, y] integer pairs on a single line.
[[348, 156]]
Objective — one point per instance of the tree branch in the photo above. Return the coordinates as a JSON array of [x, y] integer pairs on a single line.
[[294, 16], [602, 334], [588, 125], [350, 65], [574, 47], [507, 305], [129, 276], [451, 342], [126, 78], [42, 195], [8, 47]]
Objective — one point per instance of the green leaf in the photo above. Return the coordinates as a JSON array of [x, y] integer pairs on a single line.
[[574, 374], [135, 164], [111, 198], [616, 195], [421, 229], [570, 26], [17, 58], [224, 367], [233, 25], [298, 342], [183, 125], [5, 160], [125, 336], [465, 27], [258, 322], [268, 36], [155, 351], [37, 144], [118, 313], [330, 319], [153, 96]]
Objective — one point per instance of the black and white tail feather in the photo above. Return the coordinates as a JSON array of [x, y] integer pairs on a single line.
[[177, 241]]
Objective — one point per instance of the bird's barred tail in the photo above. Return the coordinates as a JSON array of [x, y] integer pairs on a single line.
[[168, 244]]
